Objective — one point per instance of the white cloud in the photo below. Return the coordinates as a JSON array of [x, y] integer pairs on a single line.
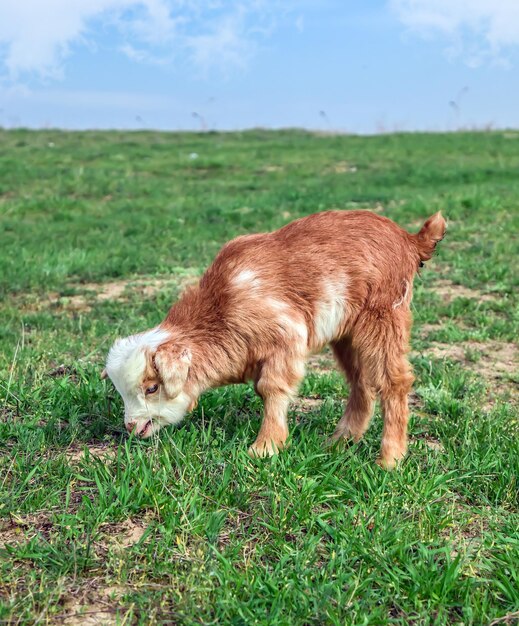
[[142, 55], [477, 30], [225, 44], [38, 36]]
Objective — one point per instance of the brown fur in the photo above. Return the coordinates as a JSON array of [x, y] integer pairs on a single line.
[[253, 327]]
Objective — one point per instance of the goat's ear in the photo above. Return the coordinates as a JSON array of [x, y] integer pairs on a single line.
[[104, 374], [172, 367]]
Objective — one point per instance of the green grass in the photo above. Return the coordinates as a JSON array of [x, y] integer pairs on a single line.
[[186, 528]]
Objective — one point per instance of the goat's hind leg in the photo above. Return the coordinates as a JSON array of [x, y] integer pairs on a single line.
[[394, 398], [359, 408], [392, 377]]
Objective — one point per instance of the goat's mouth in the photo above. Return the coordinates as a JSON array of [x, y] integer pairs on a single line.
[[145, 431]]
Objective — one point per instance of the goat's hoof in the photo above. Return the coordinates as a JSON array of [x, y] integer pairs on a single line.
[[262, 449]]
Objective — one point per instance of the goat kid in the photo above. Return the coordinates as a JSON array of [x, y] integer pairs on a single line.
[[343, 278]]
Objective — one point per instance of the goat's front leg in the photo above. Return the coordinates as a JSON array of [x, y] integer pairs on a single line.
[[276, 385], [274, 429]]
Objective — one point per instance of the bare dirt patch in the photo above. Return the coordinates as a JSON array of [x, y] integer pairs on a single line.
[[89, 614], [122, 534], [11, 533], [99, 451], [434, 444], [271, 168], [322, 363], [93, 606], [307, 405], [114, 291], [491, 358], [112, 535], [63, 370], [467, 528], [342, 167], [430, 442], [449, 291], [426, 329], [18, 529], [496, 361]]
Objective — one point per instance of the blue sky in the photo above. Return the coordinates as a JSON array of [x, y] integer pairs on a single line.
[[351, 65]]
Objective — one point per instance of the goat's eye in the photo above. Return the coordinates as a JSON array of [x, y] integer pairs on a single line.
[[152, 389]]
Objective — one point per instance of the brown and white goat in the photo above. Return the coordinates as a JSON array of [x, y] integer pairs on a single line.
[[342, 278]]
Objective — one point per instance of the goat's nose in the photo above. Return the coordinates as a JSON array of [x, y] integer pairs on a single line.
[[130, 426]]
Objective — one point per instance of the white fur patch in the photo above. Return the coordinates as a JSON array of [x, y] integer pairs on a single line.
[[125, 363], [276, 305], [298, 328], [330, 311], [248, 279], [288, 322], [172, 411]]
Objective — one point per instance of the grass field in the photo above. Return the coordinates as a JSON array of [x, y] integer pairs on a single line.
[[99, 233]]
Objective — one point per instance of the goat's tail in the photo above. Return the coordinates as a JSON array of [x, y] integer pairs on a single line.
[[430, 234]]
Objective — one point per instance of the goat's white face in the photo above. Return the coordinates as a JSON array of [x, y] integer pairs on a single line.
[[150, 376]]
